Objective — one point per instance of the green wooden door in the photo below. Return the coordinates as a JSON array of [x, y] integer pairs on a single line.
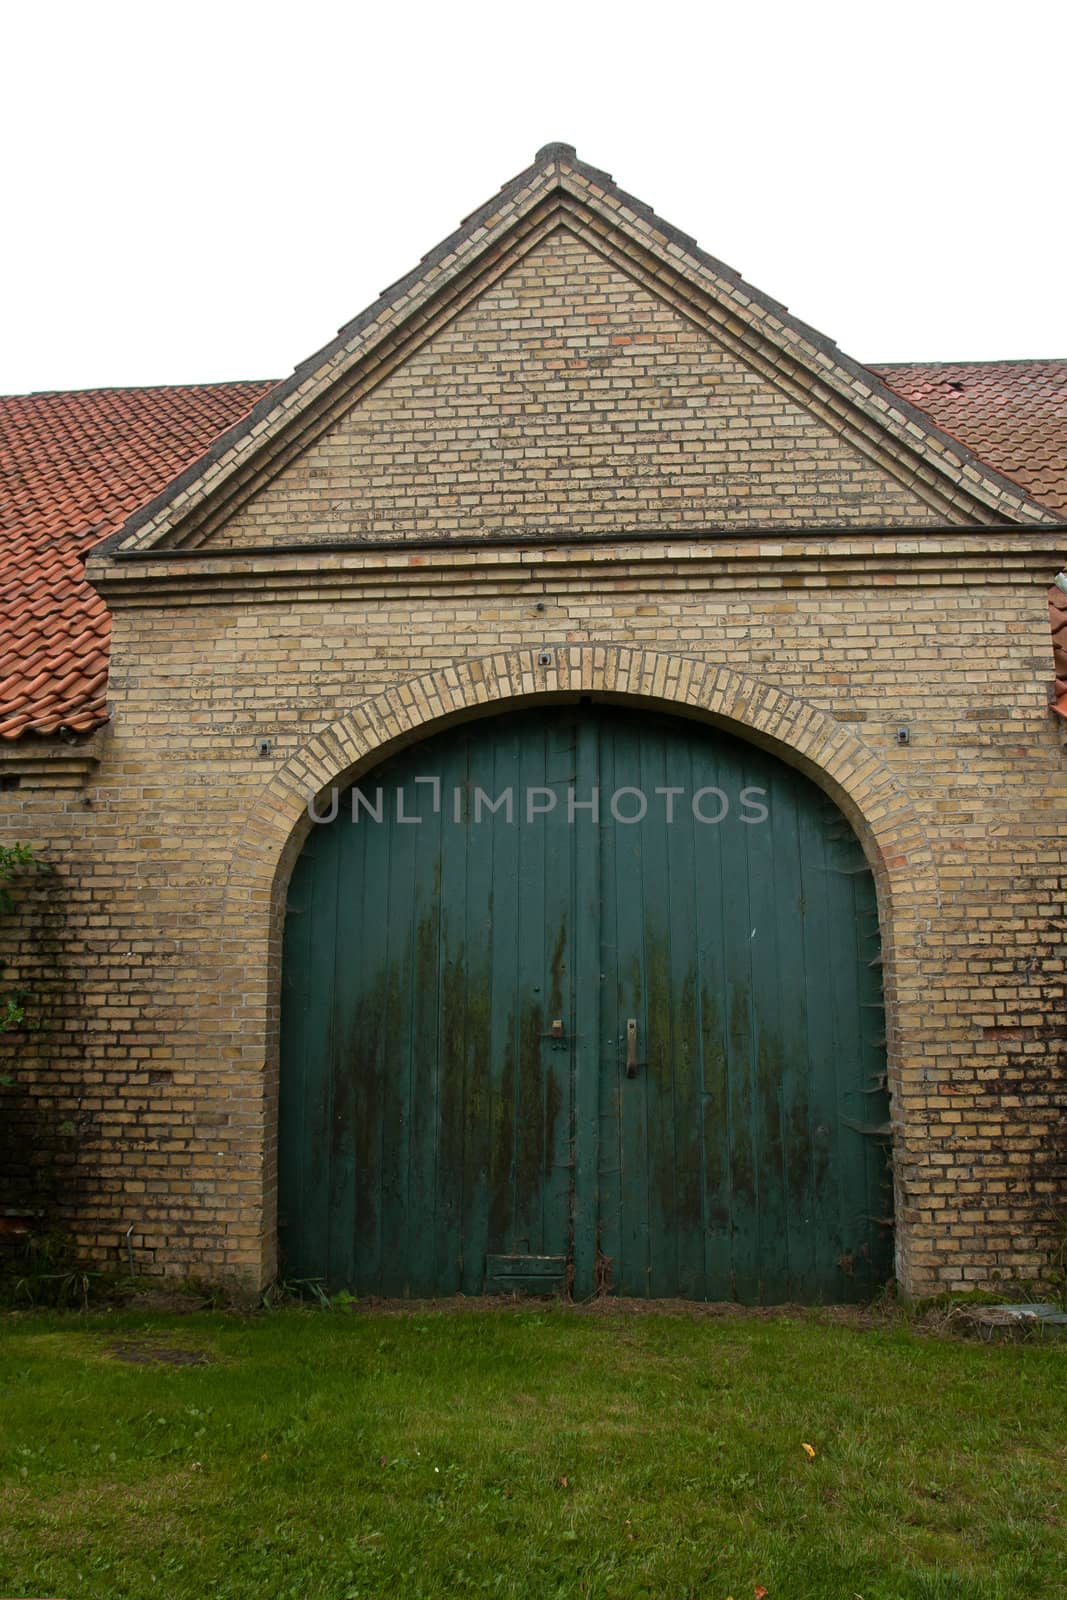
[[584, 998]]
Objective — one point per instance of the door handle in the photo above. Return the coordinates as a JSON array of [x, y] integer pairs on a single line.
[[631, 1047]]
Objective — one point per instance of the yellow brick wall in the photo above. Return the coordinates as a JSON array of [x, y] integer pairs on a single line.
[[566, 401], [163, 1056], [568, 398]]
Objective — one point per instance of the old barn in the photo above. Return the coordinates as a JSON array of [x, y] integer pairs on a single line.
[[561, 793]]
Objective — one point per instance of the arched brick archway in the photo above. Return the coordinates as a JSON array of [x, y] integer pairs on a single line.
[[828, 752]]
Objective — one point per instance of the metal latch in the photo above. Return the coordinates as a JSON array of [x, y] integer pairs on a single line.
[[556, 1034]]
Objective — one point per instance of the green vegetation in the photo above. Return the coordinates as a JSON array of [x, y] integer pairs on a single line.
[[531, 1451], [13, 1002]]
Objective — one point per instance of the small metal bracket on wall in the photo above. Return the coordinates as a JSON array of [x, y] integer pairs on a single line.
[[903, 736]]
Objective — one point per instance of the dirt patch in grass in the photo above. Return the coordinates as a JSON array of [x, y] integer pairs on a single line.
[[159, 1355], [167, 1300], [619, 1305], [608, 1309], [949, 1318], [941, 1319]]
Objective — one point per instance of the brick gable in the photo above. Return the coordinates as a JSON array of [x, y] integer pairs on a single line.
[[569, 398], [561, 192]]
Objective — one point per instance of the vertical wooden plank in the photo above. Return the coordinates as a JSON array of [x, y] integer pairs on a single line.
[[711, 933], [534, 1017], [389, 922], [478, 837], [424, 1039], [586, 1054], [831, 985], [452, 1062], [675, 771], [786, 797], [765, 847], [820, 982], [558, 1056], [363, 1004], [635, 1264], [349, 844], [610, 1036], [657, 1039], [509, 997], [738, 1001]]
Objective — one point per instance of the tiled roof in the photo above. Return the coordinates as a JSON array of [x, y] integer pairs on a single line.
[[1013, 414], [72, 468]]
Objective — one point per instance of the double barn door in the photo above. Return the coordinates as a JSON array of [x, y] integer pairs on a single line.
[[580, 999]]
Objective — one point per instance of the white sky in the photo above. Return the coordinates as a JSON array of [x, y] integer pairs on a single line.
[[195, 192]]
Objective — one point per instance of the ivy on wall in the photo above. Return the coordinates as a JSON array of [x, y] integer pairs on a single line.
[[39, 1147], [13, 1001]]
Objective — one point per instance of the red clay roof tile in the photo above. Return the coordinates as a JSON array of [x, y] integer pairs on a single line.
[[72, 468], [1013, 414]]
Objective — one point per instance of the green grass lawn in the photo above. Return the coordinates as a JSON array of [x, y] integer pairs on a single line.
[[528, 1452]]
